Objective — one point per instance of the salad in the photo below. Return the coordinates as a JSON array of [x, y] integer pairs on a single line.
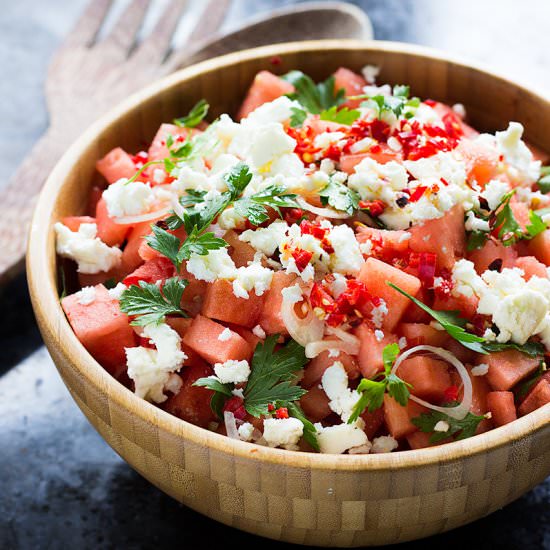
[[343, 268]]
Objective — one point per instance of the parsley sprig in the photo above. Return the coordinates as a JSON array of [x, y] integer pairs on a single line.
[[395, 103], [340, 197], [195, 116], [544, 181], [343, 115], [150, 304], [372, 391], [458, 429]]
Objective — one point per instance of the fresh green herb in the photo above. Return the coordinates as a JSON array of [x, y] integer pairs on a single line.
[[509, 229], [458, 429], [164, 242], [254, 207], [372, 391], [536, 226], [451, 322], [272, 374], [222, 392], [63, 283], [314, 97], [200, 244], [544, 181], [150, 304], [533, 349], [310, 432], [298, 117], [237, 179], [110, 283], [341, 116], [476, 239], [340, 197], [195, 116]]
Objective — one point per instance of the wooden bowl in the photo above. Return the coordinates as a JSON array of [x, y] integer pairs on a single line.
[[332, 500]]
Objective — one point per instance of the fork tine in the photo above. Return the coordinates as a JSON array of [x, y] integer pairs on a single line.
[[89, 24], [157, 44], [211, 19], [123, 35]]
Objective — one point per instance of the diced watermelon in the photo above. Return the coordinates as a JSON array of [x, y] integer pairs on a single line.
[[418, 334], [428, 377], [467, 305], [490, 252], [95, 194], [93, 279], [381, 155], [318, 365], [480, 391], [193, 295], [370, 350], [108, 230], [373, 421], [421, 440], [352, 83], [507, 368], [179, 324], [192, 403], [158, 149], [502, 407], [101, 328], [270, 318], [398, 418], [395, 241], [315, 404], [248, 335], [539, 246], [73, 222], [532, 267], [520, 211], [116, 164], [414, 314], [481, 161], [151, 271], [202, 337], [241, 253], [537, 397], [265, 87], [443, 236], [375, 274], [442, 109], [220, 303], [130, 255]]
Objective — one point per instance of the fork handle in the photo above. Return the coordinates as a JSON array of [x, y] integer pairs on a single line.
[[18, 199]]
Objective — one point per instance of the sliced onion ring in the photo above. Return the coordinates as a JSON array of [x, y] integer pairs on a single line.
[[461, 410], [306, 330], [350, 339], [325, 212], [149, 216], [230, 425], [313, 349]]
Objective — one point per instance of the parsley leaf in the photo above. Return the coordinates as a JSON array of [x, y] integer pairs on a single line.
[[341, 116], [458, 429], [298, 117], [272, 374], [372, 391], [164, 242], [533, 349], [199, 244], [509, 229], [451, 322], [310, 432], [254, 206], [195, 115], [536, 226], [237, 179], [222, 392], [150, 304], [476, 240], [340, 197], [314, 97], [544, 181]]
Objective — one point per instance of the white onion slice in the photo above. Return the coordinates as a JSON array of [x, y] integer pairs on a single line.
[[313, 349], [325, 212], [352, 340], [306, 330], [462, 409], [149, 216], [230, 425]]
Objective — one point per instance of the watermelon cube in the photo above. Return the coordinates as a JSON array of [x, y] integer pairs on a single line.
[[370, 350], [502, 407], [537, 397], [270, 317], [507, 368], [428, 377], [116, 164], [315, 404]]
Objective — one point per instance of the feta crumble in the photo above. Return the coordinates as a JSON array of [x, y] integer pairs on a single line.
[[225, 335], [232, 371], [335, 384], [128, 199], [384, 444], [217, 264], [283, 432], [252, 277], [86, 295], [339, 438]]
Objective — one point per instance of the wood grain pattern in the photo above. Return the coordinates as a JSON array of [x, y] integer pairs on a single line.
[[295, 497]]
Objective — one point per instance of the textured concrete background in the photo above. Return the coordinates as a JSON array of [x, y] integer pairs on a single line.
[[61, 486]]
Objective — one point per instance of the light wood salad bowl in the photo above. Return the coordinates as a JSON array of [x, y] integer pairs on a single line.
[[332, 500]]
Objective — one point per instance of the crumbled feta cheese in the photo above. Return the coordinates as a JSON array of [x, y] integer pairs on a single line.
[[516, 153], [283, 432], [326, 139], [494, 193], [441, 426], [238, 392], [361, 450], [225, 335], [150, 369], [402, 342], [338, 439], [252, 277], [335, 384], [466, 280], [347, 257], [86, 295], [278, 110], [427, 115], [231, 219], [232, 371], [259, 332], [117, 291], [475, 224], [384, 444], [295, 240], [378, 313], [128, 199], [84, 247], [266, 239], [459, 110], [327, 166], [269, 142], [217, 264], [379, 335], [480, 370], [245, 431], [370, 72], [333, 353], [159, 175]]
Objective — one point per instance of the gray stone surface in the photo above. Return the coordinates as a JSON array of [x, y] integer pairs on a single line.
[[61, 486]]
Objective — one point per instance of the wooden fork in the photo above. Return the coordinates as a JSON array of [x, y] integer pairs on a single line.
[[88, 76]]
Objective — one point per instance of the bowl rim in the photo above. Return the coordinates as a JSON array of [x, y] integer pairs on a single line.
[[55, 327]]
